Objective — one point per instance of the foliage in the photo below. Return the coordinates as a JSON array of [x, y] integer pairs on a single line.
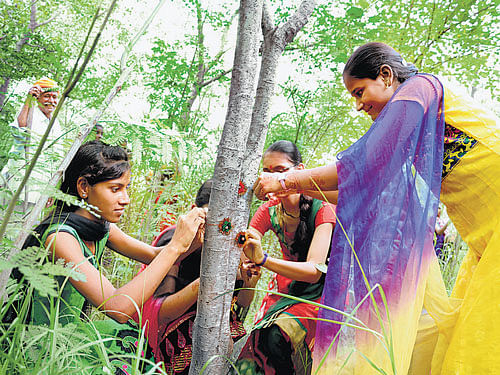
[[321, 122], [450, 260], [183, 81], [177, 75], [447, 37], [39, 39], [56, 349], [31, 263]]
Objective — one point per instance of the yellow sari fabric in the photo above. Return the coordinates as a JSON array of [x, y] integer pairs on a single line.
[[460, 335], [471, 193]]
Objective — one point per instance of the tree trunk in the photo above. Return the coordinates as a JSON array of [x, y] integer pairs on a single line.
[[220, 254], [275, 41]]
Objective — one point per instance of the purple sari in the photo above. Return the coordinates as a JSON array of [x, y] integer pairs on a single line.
[[389, 186]]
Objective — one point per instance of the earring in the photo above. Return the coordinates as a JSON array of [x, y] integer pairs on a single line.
[[387, 83], [84, 195]]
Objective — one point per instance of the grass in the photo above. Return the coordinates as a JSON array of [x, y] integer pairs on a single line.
[[56, 349], [30, 349], [450, 260]]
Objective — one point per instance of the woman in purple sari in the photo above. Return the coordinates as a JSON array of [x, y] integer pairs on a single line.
[[425, 141]]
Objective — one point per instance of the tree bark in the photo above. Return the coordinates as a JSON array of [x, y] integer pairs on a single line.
[[211, 333], [220, 255], [275, 41], [4, 87]]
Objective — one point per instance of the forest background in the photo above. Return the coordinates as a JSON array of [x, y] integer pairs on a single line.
[[170, 111]]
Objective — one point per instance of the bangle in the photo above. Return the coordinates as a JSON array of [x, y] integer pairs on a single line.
[[282, 182], [263, 261]]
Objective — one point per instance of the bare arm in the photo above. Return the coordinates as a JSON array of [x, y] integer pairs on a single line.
[[250, 274], [331, 196], [22, 118], [130, 247], [325, 178], [140, 251], [300, 271], [119, 303], [178, 303]]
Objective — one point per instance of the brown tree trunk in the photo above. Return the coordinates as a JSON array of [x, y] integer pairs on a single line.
[[3, 91]]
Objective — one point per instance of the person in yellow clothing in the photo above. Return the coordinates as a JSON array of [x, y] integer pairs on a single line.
[[426, 143]]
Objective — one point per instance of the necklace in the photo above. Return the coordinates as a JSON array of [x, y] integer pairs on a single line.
[[288, 214]]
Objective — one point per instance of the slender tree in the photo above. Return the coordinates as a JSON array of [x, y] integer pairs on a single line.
[[211, 330], [235, 164]]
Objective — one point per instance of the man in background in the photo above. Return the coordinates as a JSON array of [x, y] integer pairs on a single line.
[[32, 122], [99, 131]]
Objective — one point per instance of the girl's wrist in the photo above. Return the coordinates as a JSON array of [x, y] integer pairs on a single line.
[[176, 247], [263, 261]]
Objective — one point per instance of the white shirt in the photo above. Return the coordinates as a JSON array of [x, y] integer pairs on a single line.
[[47, 163]]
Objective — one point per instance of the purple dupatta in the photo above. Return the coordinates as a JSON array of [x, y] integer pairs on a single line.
[[389, 186]]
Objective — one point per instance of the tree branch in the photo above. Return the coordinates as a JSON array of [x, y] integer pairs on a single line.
[[216, 78], [267, 18], [37, 25], [298, 20]]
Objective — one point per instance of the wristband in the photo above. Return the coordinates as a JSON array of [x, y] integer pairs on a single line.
[[263, 261]]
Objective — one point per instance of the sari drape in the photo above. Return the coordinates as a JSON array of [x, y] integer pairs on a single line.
[[389, 186]]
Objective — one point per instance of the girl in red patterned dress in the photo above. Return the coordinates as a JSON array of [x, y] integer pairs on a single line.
[[283, 338]]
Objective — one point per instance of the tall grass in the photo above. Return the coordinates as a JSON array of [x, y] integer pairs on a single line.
[[451, 257], [69, 349]]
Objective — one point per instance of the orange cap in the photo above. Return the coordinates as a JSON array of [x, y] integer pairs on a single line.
[[47, 84]]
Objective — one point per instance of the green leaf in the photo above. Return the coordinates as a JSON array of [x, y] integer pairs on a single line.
[[44, 284], [354, 12]]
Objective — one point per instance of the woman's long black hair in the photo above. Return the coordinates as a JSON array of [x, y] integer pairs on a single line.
[[96, 162], [303, 236], [367, 60]]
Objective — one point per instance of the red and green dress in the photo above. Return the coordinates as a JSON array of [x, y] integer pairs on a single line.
[[283, 323]]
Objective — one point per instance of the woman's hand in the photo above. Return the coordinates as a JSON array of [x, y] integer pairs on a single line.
[[253, 247], [250, 273], [188, 227], [196, 244], [267, 183]]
